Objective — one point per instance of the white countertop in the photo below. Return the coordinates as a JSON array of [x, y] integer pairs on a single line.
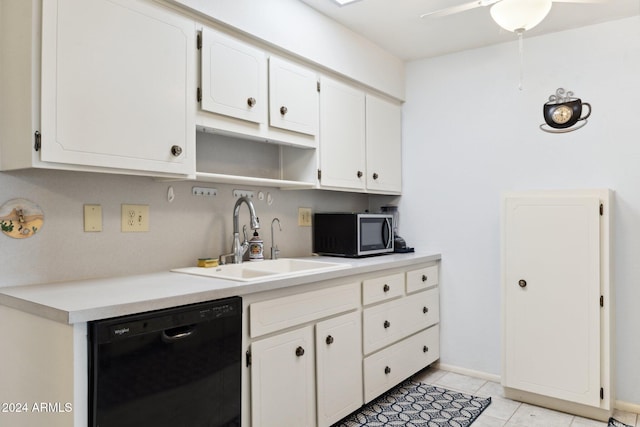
[[86, 300]]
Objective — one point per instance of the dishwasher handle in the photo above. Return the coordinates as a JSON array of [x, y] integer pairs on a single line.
[[177, 334]]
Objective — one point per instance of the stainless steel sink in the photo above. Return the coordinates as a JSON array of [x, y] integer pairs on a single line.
[[264, 270]]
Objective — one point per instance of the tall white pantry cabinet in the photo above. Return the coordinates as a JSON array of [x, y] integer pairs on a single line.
[[558, 300]]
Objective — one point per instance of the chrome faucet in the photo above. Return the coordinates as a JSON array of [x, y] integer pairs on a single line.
[[274, 248], [238, 249]]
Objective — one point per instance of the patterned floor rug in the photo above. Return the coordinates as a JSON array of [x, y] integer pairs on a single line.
[[414, 404], [615, 423]]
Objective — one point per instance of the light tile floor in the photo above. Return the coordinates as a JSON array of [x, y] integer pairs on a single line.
[[503, 412]]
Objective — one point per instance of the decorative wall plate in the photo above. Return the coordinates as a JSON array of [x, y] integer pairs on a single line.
[[20, 218]]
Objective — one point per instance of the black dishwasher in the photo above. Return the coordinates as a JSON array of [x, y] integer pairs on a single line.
[[178, 367]]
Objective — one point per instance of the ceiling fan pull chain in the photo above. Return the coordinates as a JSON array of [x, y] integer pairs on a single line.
[[521, 49]]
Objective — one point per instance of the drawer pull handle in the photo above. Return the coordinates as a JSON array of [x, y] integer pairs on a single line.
[[386, 324], [385, 288], [424, 277], [387, 370], [299, 351], [251, 102], [425, 310], [425, 349], [359, 174], [522, 283], [329, 340]]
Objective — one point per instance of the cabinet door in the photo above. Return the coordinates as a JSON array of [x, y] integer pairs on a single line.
[[342, 136], [551, 289], [118, 82], [234, 77], [339, 367], [384, 146], [293, 97], [282, 380]]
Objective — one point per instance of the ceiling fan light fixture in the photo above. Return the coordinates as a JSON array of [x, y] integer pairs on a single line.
[[520, 15]]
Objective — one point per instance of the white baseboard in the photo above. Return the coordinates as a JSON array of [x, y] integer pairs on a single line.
[[626, 406], [469, 372], [618, 404]]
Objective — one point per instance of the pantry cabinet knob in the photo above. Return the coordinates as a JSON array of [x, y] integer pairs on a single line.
[[424, 277], [359, 174], [387, 370], [522, 283], [176, 150], [385, 288], [283, 110], [299, 351], [375, 175], [251, 102], [425, 349], [386, 324], [329, 340], [425, 310]]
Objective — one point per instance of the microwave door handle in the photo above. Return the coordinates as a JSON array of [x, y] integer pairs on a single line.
[[389, 242]]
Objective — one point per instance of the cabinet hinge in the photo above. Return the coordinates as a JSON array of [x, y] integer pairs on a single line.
[[601, 393], [601, 209], [38, 141], [199, 95], [601, 300], [319, 174], [199, 41], [248, 358], [318, 85]]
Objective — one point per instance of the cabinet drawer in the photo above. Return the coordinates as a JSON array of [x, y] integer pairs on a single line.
[[388, 367], [280, 313], [422, 278], [382, 288], [393, 321]]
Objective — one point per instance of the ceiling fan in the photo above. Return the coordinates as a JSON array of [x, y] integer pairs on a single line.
[[512, 15]]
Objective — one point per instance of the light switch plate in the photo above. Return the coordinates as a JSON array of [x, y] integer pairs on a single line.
[[92, 218], [304, 217]]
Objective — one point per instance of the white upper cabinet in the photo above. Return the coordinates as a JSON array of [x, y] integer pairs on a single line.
[[118, 82], [360, 140], [234, 77], [293, 97], [384, 146], [342, 136]]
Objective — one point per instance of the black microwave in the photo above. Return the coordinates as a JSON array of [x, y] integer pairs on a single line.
[[352, 234]]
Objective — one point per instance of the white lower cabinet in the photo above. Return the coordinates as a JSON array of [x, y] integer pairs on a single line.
[[318, 355], [282, 380], [390, 366], [557, 326], [338, 367]]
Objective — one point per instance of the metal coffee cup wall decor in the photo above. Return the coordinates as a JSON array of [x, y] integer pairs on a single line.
[[563, 113]]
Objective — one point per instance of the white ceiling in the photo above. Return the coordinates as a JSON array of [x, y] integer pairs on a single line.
[[395, 25]]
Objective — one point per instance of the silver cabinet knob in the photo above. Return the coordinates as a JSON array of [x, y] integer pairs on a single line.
[[251, 102], [176, 150], [283, 110], [522, 283]]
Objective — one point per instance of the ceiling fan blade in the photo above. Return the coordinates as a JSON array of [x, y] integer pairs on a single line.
[[460, 8], [580, 1]]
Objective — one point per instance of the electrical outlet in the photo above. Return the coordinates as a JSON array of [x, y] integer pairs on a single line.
[[304, 217], [135, 218]]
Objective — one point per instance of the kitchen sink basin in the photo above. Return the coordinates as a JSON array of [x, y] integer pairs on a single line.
[[263, 270]]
